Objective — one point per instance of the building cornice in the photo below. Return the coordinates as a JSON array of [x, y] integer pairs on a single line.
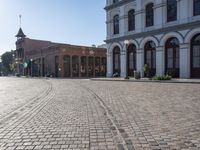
[[118, 4], [156, 32]]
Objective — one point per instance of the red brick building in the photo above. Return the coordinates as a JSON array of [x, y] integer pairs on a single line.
[[45, 58]]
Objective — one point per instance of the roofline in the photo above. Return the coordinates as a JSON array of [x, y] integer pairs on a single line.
[[118, 4]]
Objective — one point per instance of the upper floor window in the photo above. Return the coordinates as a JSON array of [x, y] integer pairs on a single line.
[[115, 1], [149, 15], [171, 10], [116, 24], [131, 20], [196, 7]]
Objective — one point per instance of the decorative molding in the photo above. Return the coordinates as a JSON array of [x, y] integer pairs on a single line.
[[139, 50], [139, 12], [159, 5], [160, 49], [118, 4], [184, 46], [175, 28]]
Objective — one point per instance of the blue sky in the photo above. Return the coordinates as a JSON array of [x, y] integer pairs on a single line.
[[80, 22]]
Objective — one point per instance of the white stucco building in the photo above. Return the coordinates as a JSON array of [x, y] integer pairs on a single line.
[[164, 34]]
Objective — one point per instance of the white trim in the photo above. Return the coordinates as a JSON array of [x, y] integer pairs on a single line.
[[149, 38], [113, 46], [131, 42], [170, 35], [191, 34]]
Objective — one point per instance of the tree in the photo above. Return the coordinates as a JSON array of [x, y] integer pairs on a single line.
[[7, 61], [2, 70]]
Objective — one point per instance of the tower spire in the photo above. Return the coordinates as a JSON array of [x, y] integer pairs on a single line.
[[20, 18], [20, 33]]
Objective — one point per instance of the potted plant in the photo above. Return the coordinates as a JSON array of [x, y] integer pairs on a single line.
[[146, 70], [116, 74]]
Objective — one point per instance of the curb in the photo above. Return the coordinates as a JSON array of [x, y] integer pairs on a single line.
[[147, 81]]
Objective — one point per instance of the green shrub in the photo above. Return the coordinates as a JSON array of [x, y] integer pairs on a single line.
[[146, 70], [18, 75], [165, 77]]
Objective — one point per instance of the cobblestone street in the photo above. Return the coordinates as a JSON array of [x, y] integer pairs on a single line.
[[98, 115]]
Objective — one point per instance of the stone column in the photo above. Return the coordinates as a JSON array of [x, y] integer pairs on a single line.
[[87, 66], [160, 9], [183, 10], [160, 61], [109, 23], [125, 24], [41, 65], [61, 65], [184, 60], [123, 63], [109, 64], [122, 22], [71, 66], [139, 25], [94, 66], [79, 66], [100, 61], [140, 61]]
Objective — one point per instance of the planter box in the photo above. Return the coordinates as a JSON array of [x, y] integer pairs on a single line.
[[137, 75]]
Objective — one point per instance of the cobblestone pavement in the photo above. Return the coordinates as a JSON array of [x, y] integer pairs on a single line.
[[15, 92], [84, 114]]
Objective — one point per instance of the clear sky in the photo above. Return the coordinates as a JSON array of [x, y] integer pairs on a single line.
[[80, 22]]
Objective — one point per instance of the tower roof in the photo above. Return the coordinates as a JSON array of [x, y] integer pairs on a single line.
[[20, 33]]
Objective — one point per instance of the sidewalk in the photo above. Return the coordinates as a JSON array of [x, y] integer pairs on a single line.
[[192, 81]]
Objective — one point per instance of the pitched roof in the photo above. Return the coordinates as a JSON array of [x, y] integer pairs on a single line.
[[20, 33]]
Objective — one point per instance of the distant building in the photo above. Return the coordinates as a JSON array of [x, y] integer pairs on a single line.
[[45, 58], [164, 34], [102, 46]]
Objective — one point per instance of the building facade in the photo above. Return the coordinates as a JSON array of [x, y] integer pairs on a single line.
[[163, 34], [44, 58]]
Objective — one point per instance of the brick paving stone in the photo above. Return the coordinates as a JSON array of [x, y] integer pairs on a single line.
[[84, 114], [29, 147], [38, 147], [20, 147]]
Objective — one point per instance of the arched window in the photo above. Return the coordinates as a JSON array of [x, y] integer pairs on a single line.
[[116, 60], [149, 15], [116, 24], [172, 57], [195, 56], [196, 7], [131, 59], [131, 20], [150, 57], [171, 10]]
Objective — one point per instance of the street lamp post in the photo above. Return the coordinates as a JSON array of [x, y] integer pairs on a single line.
[[59, 69], [31, 67], [18, 68], [126, 42], [14, 69]]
